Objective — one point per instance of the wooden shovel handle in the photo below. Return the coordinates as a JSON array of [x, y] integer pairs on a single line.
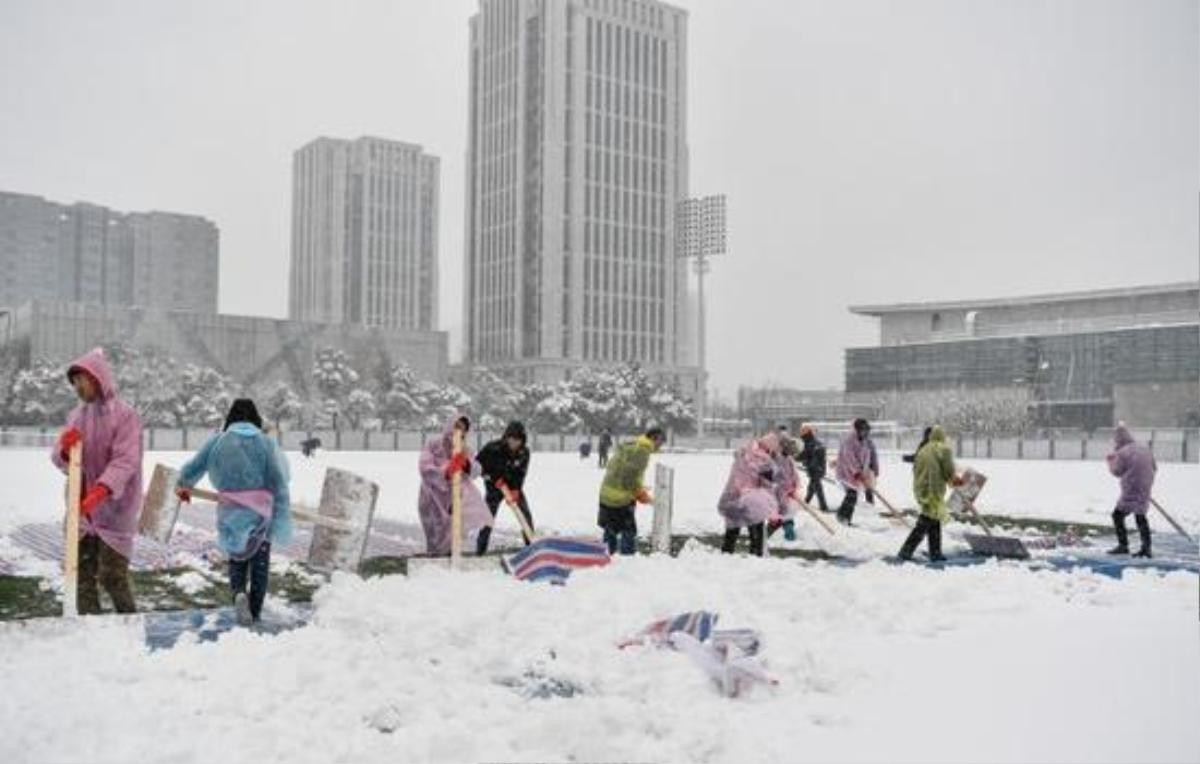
[[301, 512]]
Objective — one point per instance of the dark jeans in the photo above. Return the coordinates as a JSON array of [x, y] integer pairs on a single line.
[[493, 505], [846, 511], [815, 487], [620, 525], [926, 526], [101, 565], [603, 457], [756, 539], [258, 568]]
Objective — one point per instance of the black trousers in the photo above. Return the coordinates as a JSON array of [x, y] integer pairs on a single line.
[[1143, 526], [493, 505], [756, 539], [926, 526], [846, 511], [258, 569], [815, 487]]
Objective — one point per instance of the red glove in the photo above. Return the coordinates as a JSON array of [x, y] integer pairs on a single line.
[[95, 496], [957, 481], [184, 494], [458, 463], [643, 496], [66, 440]]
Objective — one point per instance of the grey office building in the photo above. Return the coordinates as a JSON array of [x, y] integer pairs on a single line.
[[364, 234], [91, 254], [577, 155]]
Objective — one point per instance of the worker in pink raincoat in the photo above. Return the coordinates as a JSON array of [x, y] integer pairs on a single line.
[[438, 464], [1133, 464], [854, 467], [111, 434], [786, 487], [751, 497]]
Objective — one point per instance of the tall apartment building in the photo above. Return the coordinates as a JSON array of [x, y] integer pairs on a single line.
[[91, 254], [364, 234], [577, 157]]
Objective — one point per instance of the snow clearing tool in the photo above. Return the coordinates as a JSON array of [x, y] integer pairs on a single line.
[[1171, 520], [893, 514], [71, 553], [962, 499], [821, 520], [343, 519]]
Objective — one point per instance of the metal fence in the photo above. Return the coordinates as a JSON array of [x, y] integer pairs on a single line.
[[1168, 445]]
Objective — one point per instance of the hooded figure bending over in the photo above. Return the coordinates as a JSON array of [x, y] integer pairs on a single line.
[[1133, 464], [438, 465], [752, 493]]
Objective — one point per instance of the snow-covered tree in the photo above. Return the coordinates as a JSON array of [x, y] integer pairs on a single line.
[[281, 404], [400, 400], [359, 407], [203, 397], [41, 394], [335, 378]]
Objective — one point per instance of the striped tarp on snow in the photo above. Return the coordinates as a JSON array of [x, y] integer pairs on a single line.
[[552, 558], [697, 623]]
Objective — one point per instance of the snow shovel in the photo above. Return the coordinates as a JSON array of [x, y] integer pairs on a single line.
[[70, 608], [160, 507], [962, 499], [1171, 520], [821, 520]]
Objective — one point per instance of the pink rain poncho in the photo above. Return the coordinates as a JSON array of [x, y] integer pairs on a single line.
[[112, 456], [854, 456], [1134, 464], [751, 494], [433, 501], [787, 481]]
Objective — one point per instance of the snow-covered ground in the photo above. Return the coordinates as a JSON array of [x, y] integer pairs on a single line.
[[992, 662], [562, 489]]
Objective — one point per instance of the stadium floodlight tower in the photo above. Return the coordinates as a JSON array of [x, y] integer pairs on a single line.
[[701, 235]]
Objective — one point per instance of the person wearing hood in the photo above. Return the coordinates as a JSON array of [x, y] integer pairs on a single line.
[[933, 470], [438, 464], [623, 489], [812, 458], [854, 467], [246, 467], [504, 463], [787, 487], [912, 458], [111, 434], [751, 494], [1133, 464]]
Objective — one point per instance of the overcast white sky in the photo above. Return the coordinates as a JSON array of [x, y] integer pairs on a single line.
[[872, 151]]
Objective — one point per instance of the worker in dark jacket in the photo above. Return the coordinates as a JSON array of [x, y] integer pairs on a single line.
[[504, 463], [812, 459]]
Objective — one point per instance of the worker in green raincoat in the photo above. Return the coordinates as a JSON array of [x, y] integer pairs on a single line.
[[623, 489], [933, 470]]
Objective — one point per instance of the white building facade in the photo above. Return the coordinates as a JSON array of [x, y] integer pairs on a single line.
[[364, 234], [577, 156]]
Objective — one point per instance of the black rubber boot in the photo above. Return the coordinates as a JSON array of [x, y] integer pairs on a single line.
[[1122, 546], [935, 542], [730, 541], [756, 539], [1144, 532]]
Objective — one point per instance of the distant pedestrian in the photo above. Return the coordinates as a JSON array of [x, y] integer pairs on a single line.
[[605, 444]]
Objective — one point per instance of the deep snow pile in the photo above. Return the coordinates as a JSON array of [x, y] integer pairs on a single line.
[[994, 662]]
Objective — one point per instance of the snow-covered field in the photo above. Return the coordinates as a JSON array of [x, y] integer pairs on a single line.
[[993, 662], [562, 489]]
